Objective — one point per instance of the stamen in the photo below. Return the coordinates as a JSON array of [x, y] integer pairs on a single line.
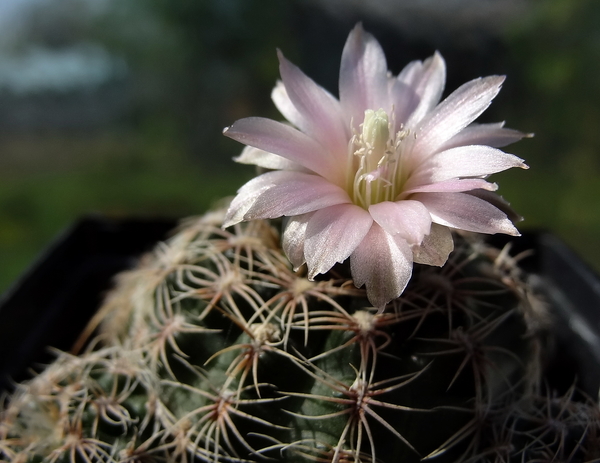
[[374, 160]]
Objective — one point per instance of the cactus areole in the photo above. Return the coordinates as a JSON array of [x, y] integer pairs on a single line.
[[231, 343]]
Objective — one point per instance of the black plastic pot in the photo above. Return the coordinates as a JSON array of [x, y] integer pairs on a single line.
[[51, 304]]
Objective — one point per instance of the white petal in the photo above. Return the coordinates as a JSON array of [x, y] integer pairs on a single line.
[[363, 75], [261, 158], [464, 161], [286, 141], [383, 263], [428, 82], [294, 193], [408, 219], [435, 248], [494, 135], [457, 111], [246, 197], [404, 101], [497, 201], [293, 239], [452, 186], [466, 212], [286, 107], [320, 111], [411, 72], [333, 234]]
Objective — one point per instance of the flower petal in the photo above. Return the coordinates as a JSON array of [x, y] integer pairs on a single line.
[[294, 237], [294, 193], [435, 248], [383, 263], [246, 197], [457, 111], [452, 186], [497, 201], [320, 111], [428, 81], [408, 219], [286, 107], [466, 212], [363, 76], [464, 161], [404, 100], [286, 141], [494, 135], [261, 158], [333, 234]]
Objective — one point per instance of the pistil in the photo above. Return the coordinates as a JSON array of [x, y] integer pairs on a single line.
[[374, 161]]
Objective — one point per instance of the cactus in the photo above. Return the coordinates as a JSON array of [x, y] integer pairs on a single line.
[[214, 349], [231, 344]]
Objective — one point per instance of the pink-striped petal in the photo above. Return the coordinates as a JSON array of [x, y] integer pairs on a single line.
[[497, 201], [383, 263], [286, 107], [333, 234], [464, 161], [466, 212], [261, 158], [246, 197], [435, 248], [294, 193], [404, 101], [428, 81], [457, 111], [411, 72], [494, 135], [451, 186], [408, 219], [294, 237], [286, 141], [319, 109], [363, 76]]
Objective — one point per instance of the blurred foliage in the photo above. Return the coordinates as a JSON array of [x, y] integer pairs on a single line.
[[195, 66], [202, 63], [554, 62]]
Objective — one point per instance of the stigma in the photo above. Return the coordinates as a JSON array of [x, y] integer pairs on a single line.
[[374, 160]]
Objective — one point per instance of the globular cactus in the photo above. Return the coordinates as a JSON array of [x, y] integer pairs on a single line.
[[231, 344], [214, 349]]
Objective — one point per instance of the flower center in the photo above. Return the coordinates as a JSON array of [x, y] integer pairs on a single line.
[[374, 161]]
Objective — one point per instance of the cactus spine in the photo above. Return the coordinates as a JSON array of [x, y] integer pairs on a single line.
[[214, 349]]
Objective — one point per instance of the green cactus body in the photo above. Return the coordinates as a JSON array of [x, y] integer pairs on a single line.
[[214, 349]]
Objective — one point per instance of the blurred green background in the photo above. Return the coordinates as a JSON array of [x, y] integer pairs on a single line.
[[116, 107]]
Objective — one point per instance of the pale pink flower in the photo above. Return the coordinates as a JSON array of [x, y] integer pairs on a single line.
[[380, 175]]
